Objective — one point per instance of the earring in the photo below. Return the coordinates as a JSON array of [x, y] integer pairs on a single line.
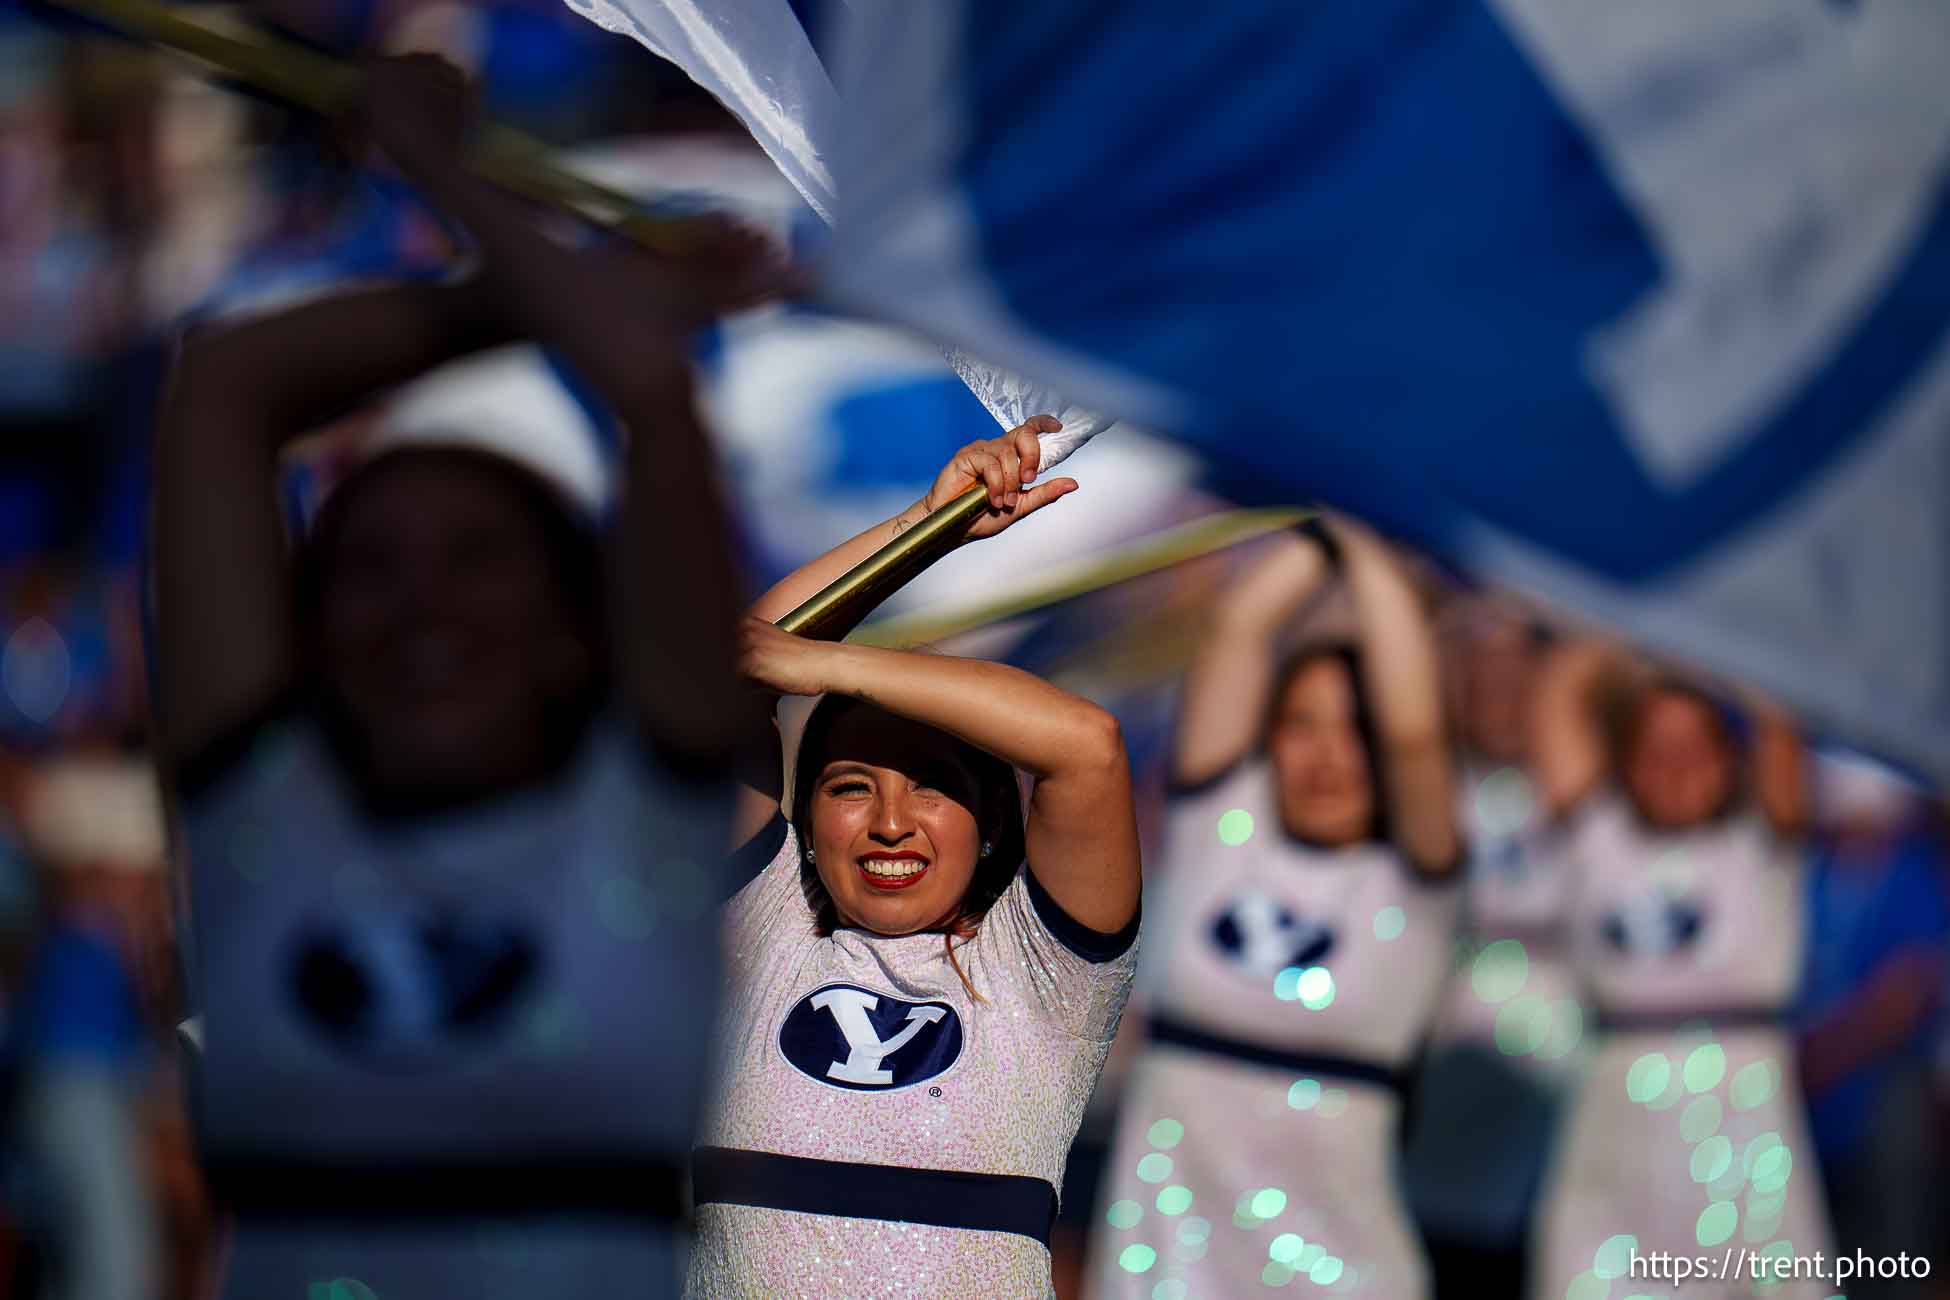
[[987, 848], [812, 855]]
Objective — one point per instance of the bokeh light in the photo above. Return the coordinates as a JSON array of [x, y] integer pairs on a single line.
[[1316, 988], [1705, 1066], [1154, 1168], [1711, 1159], [1716, 1223], [1165, 1134], [1701, 1119], [1175, 1199], [1286, 1247], [1389, 923], [1613, 1259], [1304, 1094], [1522, 1024], [1137, 1258], [1648, 1077], [1753, 1084], [1268, 1203], [1500, 970], [1124, 1214], [1235, 827]]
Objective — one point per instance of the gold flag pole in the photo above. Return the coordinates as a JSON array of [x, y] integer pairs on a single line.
[[324, 85], [846, 600]]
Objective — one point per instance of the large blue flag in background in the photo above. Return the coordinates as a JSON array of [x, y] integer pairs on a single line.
[[1640, 307]]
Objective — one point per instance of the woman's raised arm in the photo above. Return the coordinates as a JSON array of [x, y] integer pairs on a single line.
[[1405, 686], [1229, 687]]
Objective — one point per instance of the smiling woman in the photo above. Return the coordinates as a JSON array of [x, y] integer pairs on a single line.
[[926, 975]]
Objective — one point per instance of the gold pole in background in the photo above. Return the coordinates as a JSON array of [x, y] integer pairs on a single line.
[[326, 85]]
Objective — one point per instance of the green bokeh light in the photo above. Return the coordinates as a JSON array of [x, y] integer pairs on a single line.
[[1587, 1286], [1716, 1223], [1614, 1258], [1326, 1270], [1286, 1248], [1648, 1078], [1175, 1199], [1165, 1134], [1566, 1030], [1194, 1230], [1333, 1102], [1276, 1274], [1154, 1168], [1267, 1203], [1701, 1119], [1711, 1159], [1124, 1214], [1705, 1067], [1522, 1024], [1137, 1258], [1389, 923], [1235, 826], [1771, 1170], [1316, 988], [1752, 1084], [1170, 1289], [1304, 1094], [1500, 970]]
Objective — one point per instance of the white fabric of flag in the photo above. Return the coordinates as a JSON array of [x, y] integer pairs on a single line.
[[756, 58]]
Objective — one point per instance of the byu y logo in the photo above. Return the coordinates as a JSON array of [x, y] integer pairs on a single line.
[[1264, 936], [848, 1037], [1654, 925]]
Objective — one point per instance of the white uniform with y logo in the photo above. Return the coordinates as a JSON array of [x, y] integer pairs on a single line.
[[1685, 1138], [1231, 1174], [869, 1050]]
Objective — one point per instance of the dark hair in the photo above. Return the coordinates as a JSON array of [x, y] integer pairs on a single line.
[[1624, 716], [1348, 657], [1000, 816], [574, 566]]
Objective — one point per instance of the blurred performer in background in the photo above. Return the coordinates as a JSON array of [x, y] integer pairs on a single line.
[[1506, 1046], [1312, 846], [1878, 924], [448, 776], [1684, 825], [925, 981]]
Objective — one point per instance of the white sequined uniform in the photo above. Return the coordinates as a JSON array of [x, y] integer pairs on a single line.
[[1684, 1139], [995, 1086], [525, 987], [1516, 889], [1268, 942]]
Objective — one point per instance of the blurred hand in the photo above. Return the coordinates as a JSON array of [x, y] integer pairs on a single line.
[[1006, 466], [419, 108], [781, 662]]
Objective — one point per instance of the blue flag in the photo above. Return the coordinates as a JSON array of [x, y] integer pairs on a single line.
[[1640, 307]]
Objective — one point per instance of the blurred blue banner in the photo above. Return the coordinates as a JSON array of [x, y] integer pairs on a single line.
[[1640, 307]]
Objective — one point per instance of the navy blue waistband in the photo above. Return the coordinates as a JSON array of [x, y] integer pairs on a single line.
[[941, 1198], [1716, 1018], [1177, 1033]]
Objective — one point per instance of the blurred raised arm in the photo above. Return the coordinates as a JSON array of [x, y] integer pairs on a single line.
[[1405, 686], [1567, 744], [1229, 686]]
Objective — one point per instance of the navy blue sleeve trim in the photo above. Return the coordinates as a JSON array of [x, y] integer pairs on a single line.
[[744, 863], [1092, 945], [194, 775]]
